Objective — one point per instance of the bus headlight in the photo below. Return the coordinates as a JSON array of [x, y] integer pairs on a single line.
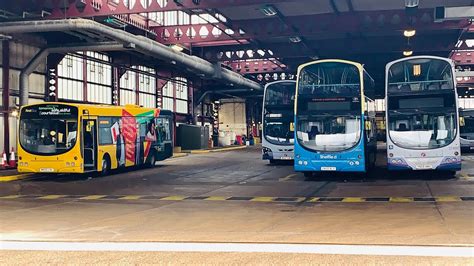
[[351, 163], [357, 162], [398, 161], [300, 162], [305, 163], [266, 150]]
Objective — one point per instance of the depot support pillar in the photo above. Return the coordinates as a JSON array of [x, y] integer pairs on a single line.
[[6, 94]]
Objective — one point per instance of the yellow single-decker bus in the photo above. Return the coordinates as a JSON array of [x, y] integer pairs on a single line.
[[77, 138]]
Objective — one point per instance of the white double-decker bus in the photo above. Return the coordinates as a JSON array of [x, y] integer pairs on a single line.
[[278, 121], [466, 118], [422, 114]]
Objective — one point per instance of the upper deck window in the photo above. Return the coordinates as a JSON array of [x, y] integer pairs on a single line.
[[420, 75]]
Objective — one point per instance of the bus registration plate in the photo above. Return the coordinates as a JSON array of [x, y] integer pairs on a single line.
[[328, 168], [285, 158], [423, 167], [46, 170]]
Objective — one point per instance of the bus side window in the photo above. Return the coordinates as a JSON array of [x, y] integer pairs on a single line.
[[105, 134], [143, 129]]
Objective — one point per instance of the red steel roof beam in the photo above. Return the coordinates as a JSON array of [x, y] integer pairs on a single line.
[[94, 8], [355, 22]]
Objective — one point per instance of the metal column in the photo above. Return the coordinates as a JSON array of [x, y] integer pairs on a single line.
[[6, 94]]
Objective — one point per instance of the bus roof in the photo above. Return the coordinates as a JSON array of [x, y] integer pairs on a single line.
[[389, 64], [358, 65]]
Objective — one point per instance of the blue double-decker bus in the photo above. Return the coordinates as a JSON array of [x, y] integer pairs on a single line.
[[334, 118]]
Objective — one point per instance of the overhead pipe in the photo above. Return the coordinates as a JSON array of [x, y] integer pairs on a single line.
[[43, 53], [140, 43]]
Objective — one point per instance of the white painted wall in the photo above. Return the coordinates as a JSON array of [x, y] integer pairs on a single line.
[[232, 117]]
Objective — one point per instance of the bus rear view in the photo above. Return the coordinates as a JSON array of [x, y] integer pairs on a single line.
[[422, 115], [278, 121], [335, 121]]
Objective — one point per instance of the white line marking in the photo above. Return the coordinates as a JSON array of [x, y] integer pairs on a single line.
[[432, 251]]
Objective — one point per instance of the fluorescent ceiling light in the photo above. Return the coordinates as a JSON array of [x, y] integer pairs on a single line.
[[295, 39], [268, 10], [411, 3], [409, 33]]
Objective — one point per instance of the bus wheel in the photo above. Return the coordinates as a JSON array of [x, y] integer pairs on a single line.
[[151, 161], [105, 166]]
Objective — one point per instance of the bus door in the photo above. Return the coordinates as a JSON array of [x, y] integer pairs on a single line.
[[89, 140]]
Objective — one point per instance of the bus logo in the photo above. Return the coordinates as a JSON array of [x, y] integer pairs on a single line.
[[329, 156]]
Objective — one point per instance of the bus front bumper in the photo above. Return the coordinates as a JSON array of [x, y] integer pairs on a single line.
[[58, 167], [346, 165], [450, 163]]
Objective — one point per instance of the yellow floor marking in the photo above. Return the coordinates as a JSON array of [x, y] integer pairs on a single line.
[[465, 177], [263, 199], [173, 198], [199, 151], [313, 199], [179, 154], [447, 199], [300, 199], [92, 197], [288, 177], [353, 199], [130, 197], [9, 178], [401, 199], [216, 198], [52, 197], [229, 149], [10, 197]]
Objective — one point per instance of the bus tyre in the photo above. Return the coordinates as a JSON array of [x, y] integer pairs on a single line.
[[105, 166], [151, 161]]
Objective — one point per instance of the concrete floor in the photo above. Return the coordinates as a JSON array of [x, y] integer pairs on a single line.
[[145, 215]]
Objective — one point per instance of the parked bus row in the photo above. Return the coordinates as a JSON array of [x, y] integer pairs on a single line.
[[333, 127]]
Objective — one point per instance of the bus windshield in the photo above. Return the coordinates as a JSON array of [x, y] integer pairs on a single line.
[[48, 129], [329, 106], [278, 113], [422, 130]]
